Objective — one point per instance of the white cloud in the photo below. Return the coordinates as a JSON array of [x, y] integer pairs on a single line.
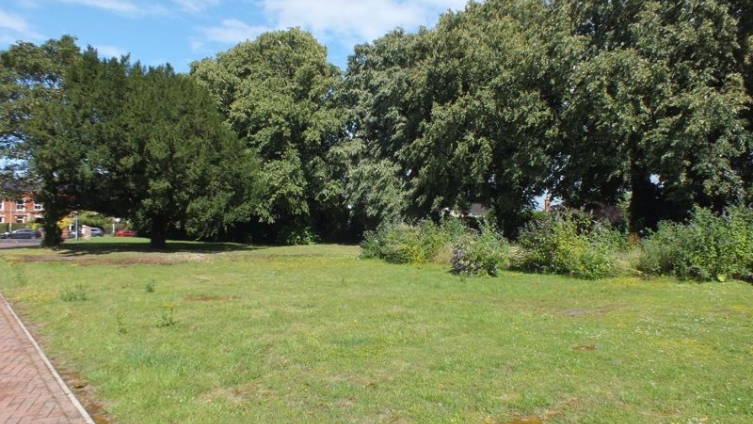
[[116, 6], [362, 20], [146, 7], [195, 6], [15, 26], [334, 22], [123, 7], [232, 31], [110, 51], [27, 4]]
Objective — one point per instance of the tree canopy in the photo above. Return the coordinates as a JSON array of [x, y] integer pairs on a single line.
[[498, 104], [277, 94], [144, 144]]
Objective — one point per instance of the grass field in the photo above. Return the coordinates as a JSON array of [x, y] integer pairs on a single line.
[[232, 334]]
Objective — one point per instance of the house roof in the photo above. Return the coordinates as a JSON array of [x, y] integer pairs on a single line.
[[477, 210]]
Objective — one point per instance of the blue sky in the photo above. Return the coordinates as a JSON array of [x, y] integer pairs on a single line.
[[181, 31]]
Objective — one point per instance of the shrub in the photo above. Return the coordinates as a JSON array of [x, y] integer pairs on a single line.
[[405, 243], [708, 247], [569, 243], [453, 228], [294, 235], [482, 253]]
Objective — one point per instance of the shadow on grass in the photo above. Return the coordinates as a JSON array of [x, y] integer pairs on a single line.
[[18, 244], [104, 247]]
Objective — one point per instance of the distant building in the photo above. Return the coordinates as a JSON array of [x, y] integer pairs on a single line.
[[20, 211], [476, 211]]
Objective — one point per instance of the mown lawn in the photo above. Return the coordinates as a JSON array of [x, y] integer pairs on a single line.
[[225, 333]]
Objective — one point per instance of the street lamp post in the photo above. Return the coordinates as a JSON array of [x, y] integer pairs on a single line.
[[12, 215]]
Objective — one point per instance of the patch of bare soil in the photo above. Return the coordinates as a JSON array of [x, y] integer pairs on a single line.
[[584, 312], [116, 260], [207, 298], [85, 394]]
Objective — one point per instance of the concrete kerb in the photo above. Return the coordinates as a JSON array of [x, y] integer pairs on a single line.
[[47, 363]]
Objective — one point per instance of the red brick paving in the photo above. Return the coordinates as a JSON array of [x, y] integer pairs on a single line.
[[30, 391]]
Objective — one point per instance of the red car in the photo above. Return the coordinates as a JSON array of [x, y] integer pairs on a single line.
[[125, 233]]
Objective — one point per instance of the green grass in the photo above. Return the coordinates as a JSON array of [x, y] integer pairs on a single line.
[[229, 333]]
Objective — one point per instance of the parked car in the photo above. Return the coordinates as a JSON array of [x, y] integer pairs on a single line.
[[23, 233], [96, 232], [125, 233]]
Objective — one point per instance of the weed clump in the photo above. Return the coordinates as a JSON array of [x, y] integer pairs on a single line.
[[481, 253], [401, 243], [77, 293], [708, 247], [166, 316], [567, 243]]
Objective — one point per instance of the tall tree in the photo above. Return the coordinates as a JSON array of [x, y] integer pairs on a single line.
[[742, 10], [491, 121], [30, 81], [277, 93], [655, 106], [143, 144], [386, 103], [183, 167], [458, 114]]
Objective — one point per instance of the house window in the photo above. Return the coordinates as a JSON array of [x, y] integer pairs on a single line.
[[20, 205], [37, 206], [20, 219], [2, 219], [2, 205]]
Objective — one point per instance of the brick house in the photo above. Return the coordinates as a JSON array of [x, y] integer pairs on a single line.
[[21, 211]]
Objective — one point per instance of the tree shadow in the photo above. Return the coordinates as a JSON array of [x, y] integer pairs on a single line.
[[72, 248], [7, 245]]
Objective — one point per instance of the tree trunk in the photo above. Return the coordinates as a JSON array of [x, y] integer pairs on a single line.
[[158, 238], [53, 213], [645, 204]]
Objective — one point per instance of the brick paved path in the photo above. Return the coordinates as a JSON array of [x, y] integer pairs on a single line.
[[30, 390]]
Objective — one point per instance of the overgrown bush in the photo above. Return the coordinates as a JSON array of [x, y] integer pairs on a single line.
[[708, 247], [399, 242], [568, 243], [293, 235], [481, 253]]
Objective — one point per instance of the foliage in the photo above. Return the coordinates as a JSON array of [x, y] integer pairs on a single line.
[[142, 144], [276, 93], [30, 81], [587, 100], [166, 315], [94, 219], [655, 105], [399, 242], [485, 139], [453, 228], [708, 247], [187, 170], [385, 100], [481, 253], [568, 243], [75, 293], [440, 114], [293, 235]]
